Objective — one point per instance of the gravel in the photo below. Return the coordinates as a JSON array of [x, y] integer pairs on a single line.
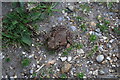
[[100, 58], [101, 63]]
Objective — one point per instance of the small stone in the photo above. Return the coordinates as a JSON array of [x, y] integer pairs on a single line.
[[63, 11], [15, 76], [65, 14], [90, 72], [111, 41], [99, 17], [68, 45], [31, 55], [66, 67], [80, 51], [73, 28], [69, 58], [98, 30], [51, 62], [33, 45], [38, 39], [91, 32], [113, 65], [113, 55], [23, 53], [108, 58], [104, 37], [58, 70], [31, 71], [109, 46], [95, 72], [99, 34], [35, 57], [100, 58], [93, 24], [63, 58], [38, 62], [101, 72], [71, 8], [101, 47], [33, 65], [38, 66]]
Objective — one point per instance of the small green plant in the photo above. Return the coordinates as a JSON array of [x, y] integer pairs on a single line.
[[103, 24], [78, 45], [63, 76], [94, 50], [93, 38], [83, 27], [25, 62], [117, 30], [34, 74], [110, 5], [80, 75], [79, 18], [7, 59], [85, 7], [103, 27], [66, 51], [51, 52], [17, 25]]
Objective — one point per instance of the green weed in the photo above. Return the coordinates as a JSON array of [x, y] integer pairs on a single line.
[[109, 5], [16, 24], [80, 75], [103, 27], [94, 50], [34, 74], [83, 27], [85, 7], [66, 51], [78, 45], [79, 18], [103, 24], [7, 59], [117, 30], [25, 62], [63, 76], [93, 38]]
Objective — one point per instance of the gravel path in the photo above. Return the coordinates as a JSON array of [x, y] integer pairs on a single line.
[[91, 59]]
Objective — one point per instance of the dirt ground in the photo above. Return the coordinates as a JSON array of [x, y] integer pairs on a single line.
[[104, 63]]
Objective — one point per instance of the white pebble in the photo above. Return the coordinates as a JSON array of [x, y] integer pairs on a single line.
[[69, 58], [32, 44], [108, 58], [23, 53], [31, 55], [31, 71], [91, 32], [104, 37], [100, 58], [63, 58], [80, 51], [58, 70], [111, 41], [38, 66]]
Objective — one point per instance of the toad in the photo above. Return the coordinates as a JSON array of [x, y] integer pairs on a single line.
[[58, 37]]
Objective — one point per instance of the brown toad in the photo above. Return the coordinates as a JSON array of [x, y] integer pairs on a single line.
[[59, 37]]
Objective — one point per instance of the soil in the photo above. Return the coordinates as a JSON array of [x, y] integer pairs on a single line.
[[48, 64]]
